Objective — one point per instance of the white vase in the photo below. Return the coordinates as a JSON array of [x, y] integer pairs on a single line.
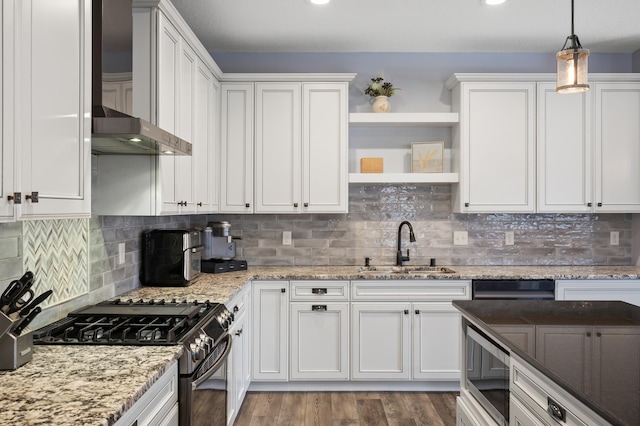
[[381, 104]]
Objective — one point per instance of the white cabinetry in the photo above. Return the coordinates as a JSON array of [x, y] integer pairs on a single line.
[[52, 107], [496, 145], [564, 151], [7, 211], [617, 146], [301, 147], [239, 361], [420, 329], [319, 343], [158, 406], [117, 92], [270, 325], [625, 290], [236, 165]]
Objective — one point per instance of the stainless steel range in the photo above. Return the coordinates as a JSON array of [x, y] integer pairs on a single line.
[[201, 327]]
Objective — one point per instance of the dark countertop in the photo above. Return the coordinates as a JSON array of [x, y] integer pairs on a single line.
[[590, 349]]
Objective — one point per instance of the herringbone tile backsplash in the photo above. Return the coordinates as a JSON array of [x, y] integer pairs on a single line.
[[57, 252]]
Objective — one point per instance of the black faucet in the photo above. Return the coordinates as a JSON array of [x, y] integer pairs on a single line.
[[412, 238]]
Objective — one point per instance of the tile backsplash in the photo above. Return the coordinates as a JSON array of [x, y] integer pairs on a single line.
[[79, 257]]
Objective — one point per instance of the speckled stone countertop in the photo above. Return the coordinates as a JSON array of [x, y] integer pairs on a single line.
[[80, 385], [222, 287], [96, 385]]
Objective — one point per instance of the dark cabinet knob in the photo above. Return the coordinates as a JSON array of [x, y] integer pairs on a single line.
[[599, 204], [306, 204], [247, 205], [406, 312], [466, 204], [417, 311], [16, 197], [318, 307], [200, 204], [588, 204], [33, 197], [319, 290], [295, 204], [283, 290]]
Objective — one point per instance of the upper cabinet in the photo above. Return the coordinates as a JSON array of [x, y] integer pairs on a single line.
[[48, 108], [496, 145], [587, 145], [617, 146], [296, 125], [175, 87], [301, 148], [7, 210]]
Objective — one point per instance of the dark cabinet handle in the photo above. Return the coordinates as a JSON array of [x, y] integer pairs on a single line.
[[16, 197], [306, 204], [295, 204], [588, 204], [318, 307], [599, 204], [417, 311], [200, 204], [556, 411], [247, 205], [33, 197], [466, 204], [283, 290], [319, 290], [406, 312], [239, 332], [588, 334], [599, 334], [236, 309]]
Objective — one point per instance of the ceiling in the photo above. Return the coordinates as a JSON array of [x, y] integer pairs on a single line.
[[539, 26]]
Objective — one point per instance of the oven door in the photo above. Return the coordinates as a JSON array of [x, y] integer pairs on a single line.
[[203, 394], [487, 375]]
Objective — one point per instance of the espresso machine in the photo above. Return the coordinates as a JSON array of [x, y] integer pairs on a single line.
[[220, 249]]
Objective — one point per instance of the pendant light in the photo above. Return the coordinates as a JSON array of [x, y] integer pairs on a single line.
[[572, 65]]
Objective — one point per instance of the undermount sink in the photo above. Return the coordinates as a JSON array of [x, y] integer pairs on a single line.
[[388, 270]]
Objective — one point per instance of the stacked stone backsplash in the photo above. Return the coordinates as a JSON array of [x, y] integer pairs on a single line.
[[79, 257]]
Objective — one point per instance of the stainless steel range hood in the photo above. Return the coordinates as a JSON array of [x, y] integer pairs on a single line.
[[114, 131]]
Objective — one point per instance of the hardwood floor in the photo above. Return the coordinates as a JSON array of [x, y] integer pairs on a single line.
[[348, 408]]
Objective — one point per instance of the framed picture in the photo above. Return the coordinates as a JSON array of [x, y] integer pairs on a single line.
[[427, 157]]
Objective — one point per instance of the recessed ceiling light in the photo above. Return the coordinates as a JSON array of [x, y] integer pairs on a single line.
[[492, 2], [319, 1]]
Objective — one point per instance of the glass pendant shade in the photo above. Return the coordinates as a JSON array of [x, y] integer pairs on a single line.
[[572, 70]]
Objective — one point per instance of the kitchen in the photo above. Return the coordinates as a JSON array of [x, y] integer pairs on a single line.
[[91, 246]]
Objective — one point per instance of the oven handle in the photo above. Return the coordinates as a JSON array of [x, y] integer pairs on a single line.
[[215, 366]]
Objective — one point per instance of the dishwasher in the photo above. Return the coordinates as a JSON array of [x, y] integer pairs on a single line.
[[510, 289]]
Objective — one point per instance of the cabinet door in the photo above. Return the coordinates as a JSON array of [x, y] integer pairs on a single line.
[[168, 73], [564, 151], [324, 148], [278, 144], [520, 415], [236, 148], [206, 146], [54, 133], [236, 367], [320, 341], [617, 147], [498, 134], [624, 290], [7, 211], [615, 347], [381, 345], [186, 127], [436, 341], [269, 331], [569, 350]]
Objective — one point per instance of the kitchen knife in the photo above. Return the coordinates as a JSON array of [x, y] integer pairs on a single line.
[[18, 329], [19, 301], [35, 302]]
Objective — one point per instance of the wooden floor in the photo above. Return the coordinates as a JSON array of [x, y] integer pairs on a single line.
[[348, 408]]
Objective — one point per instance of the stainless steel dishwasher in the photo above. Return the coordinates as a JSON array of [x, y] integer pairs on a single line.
[[513, 289]]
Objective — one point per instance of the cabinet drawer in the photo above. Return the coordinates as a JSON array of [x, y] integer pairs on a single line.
[[318, 290], [535, 390], [410, 290]]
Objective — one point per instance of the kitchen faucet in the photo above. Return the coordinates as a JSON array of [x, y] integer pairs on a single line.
[[412, 238]]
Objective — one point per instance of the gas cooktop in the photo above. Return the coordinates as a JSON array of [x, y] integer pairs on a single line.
[[129, 322]]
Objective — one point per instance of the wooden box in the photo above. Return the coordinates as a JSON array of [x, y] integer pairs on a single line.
[[371, 165]]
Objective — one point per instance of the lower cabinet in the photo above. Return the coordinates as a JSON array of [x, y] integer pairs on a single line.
[[270, 326], [333, 330], [319, 344], [239, 361], [158, 406], [519, 414], [625, 290]]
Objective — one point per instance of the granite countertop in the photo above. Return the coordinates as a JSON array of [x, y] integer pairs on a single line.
[[222, 287], [607, 383], [80, 385], [91, 385]]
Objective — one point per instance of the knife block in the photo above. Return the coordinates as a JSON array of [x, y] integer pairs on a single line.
[[15, 351], [5, 323]]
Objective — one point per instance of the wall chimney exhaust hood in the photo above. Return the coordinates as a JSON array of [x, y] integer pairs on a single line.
[[114, 130]]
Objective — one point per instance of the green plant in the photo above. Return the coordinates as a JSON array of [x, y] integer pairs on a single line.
[[379, 87]]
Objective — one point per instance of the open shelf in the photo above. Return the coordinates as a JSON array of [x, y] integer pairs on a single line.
[[444, 119], [403, 177]]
